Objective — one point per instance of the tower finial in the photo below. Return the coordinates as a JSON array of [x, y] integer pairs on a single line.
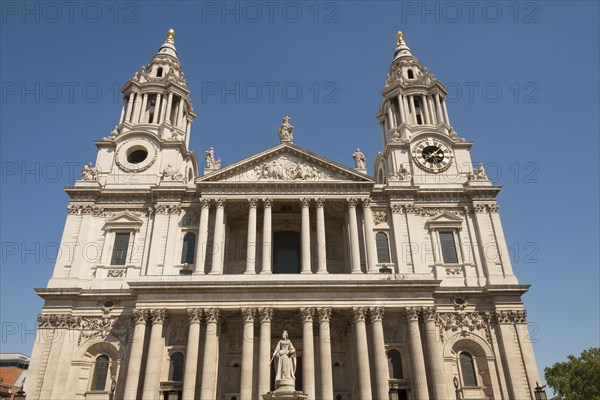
[[170, 36], [400, 38]]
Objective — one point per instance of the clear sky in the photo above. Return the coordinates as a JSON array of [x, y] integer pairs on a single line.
[[523, 81]]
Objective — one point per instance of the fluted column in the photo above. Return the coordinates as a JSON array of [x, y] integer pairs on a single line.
[[264, 350], [305, 235], [425, 109], [191, 354], [401, 110], [438, 109], [321, 241], [354, 243], [266, 245], [308, 352], [251, 242], [413, 112], [180, 114], [434, 354], [168, 108], [208, 390], [135, 355], [142, 116], [155, 351], [419, 376], [247, 354], [202, 237], [382, 373], [325, 353], [362, 353], [217, 248], [129, 107], [445, 110], [370, 237]]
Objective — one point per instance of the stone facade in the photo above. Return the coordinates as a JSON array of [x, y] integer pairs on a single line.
[[180, 279]]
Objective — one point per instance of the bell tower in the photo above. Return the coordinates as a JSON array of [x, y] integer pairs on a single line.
[[150, 144], [420, 146]]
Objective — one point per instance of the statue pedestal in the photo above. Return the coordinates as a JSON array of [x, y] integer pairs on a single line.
[[285, 395]]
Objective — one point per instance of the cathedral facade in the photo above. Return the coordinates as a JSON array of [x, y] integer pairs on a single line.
[[183, 274]]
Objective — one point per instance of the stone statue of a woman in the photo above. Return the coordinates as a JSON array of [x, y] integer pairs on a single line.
[[285, 368]]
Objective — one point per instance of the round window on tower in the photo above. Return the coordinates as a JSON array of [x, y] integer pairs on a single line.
[[136, 156]]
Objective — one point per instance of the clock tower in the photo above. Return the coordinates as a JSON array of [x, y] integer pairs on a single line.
[[420, 146]]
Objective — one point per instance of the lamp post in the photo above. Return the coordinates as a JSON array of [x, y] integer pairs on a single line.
[[540, 393], [456, 388]]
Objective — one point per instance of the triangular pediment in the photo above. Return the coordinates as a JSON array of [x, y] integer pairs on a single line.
[[123, 221], [445, 219], [286, 163]]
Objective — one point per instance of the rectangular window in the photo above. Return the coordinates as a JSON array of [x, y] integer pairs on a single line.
[[119, 255], [449, 253]]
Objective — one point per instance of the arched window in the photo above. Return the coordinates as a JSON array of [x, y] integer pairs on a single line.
[[100, 373], [395, 364], [159, 72], [176, 367], [410, 74], [189, 248], [467, 369], [383, 248]]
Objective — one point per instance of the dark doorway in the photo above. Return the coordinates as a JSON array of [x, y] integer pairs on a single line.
[[286, 252]]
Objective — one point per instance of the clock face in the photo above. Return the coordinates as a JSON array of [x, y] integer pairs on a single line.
[[432, 155]]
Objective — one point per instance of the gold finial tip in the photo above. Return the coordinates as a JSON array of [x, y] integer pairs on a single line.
[[170, 36], [400, 38]]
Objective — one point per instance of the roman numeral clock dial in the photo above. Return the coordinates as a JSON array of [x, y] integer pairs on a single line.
[[432, 155]]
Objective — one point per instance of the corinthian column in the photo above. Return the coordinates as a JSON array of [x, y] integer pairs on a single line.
[[321, 243], [305, 236], [191, 354], [308, 355], [264, 351], [370, 237], [135, 356], [325, 350], [251, 242], [419, 376], [434, 354], [247, 354], [202, 237], [362, 353], [218, 243], [155, 350], [208, 390], [354, 243], [266, 246], [382, 373]]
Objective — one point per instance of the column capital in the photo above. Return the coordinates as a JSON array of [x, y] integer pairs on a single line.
[[366, 202], [194, 315], [212, 314], [320, 201], [352, 201], [305, 201], [324, 314], [307, 313], [204, 203], [158, 315], [429, 314], [220, 202], [265, 314], [376, 313], [411, 314], [140, 316], [267, 202], [248, 314], [252, 202], [359, 314]]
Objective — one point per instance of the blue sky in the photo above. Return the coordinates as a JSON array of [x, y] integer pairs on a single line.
[[523, 81]]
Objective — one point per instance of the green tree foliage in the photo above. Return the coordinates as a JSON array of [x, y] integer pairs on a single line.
[[578, 378]]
